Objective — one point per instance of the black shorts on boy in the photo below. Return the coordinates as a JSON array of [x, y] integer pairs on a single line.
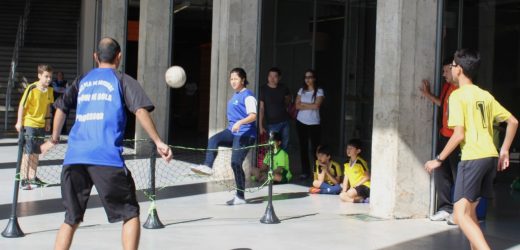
[[33, 140], [475, 179], [115, 187]]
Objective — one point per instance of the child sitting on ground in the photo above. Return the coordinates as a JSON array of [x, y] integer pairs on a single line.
[[356, 184], [281, 173], [327, 173]]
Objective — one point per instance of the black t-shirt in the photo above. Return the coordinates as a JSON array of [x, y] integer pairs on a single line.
[[134, 95], [274, 103]]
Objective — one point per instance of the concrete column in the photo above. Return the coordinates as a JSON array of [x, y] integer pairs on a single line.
[[87, 41], [113, 23], [155, 27], [486, 45], [234, 44], [402, 122]]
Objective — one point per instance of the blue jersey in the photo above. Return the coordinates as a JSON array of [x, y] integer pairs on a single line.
[[97, 135], [236, 110]]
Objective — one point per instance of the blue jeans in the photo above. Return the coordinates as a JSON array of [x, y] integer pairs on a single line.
[[326, 188], [227, 139], [283, 129]]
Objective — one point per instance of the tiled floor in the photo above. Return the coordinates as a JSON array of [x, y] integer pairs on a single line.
[[196, 217]]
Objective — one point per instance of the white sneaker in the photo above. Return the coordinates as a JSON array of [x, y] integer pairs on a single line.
[[202, 170], [450, 220], [440, 216], [236, 201]]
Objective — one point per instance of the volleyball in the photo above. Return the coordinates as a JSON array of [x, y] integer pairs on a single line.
[[175, 76]]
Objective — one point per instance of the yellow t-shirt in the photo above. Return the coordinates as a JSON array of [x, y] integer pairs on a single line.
[[335, 170], [476, 110], [356, 172], [35, 104]]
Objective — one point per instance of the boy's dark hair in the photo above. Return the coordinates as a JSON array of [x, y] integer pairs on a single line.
[[447, 61], [277, 136], [276, 70], [355, 143], [107, 50], [469, 61], [324, 150], [44, 68]]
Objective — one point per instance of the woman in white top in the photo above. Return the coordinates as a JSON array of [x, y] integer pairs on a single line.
[[308, 103]]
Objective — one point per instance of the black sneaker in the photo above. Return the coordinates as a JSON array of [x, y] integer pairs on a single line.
[[36, 182], [23, 184]]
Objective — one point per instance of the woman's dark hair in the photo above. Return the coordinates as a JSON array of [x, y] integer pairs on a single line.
[[241, 73], [316, 86], [469, 61]]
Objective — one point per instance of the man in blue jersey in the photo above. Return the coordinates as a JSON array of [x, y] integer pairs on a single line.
[[94, 153]]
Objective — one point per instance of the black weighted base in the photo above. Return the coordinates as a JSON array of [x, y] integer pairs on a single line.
[[269, 216], [13, 229], [153, 222]]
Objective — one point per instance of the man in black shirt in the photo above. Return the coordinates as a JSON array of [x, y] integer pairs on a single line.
[[274, 99]]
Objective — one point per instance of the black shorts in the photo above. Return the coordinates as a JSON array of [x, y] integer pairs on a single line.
[[475, 179], [33, 140], [363, 191], [115, 187]]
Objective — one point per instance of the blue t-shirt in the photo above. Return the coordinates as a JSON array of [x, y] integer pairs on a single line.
[[97, 135], [236, 110]]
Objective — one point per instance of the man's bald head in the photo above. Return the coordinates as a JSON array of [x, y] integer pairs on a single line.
[[108, 49]]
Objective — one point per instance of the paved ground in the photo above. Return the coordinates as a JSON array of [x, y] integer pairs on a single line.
[[196, 217]]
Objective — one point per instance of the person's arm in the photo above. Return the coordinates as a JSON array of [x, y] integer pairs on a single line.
[[315, 105], [425, 90], [19, 120], [503, 160], [261, 117], [363, 180], [326, 171], [453, 142], [143, 116], [345, 185], [48, 118], [249, 119], [59, 120]]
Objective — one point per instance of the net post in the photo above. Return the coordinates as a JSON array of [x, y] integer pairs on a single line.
[[269, 216], [13, 230], [152, 222]]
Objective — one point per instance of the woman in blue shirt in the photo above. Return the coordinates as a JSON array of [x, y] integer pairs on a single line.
[[240, 133]]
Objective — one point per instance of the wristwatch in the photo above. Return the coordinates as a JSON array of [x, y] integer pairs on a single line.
[[438, 158]]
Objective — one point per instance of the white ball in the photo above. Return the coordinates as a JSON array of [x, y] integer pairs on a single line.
[[175, 76]]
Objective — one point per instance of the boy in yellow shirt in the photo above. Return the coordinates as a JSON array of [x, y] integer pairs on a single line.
[[34, 116], [472, 112], [356, 184]]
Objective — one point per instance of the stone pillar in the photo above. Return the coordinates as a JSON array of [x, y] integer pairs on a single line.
[[234, 44], [155, 28], [113, 23], [402, 122], [87, 42]]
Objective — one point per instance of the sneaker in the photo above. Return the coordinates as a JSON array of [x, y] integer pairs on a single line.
[[314, 190], [36, 182], [236, 201], [202, 170], [450, 220], [440, 216], [24, 184]]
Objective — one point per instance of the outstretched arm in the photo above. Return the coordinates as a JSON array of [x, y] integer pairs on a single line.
[[425, 90], [143, 116]]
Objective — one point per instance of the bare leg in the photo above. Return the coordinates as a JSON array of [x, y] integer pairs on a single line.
[[64, 236], [464, 211], [24, 171], [131, 234], [33, 164]]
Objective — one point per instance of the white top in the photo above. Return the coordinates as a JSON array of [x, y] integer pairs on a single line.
[[309, 116]]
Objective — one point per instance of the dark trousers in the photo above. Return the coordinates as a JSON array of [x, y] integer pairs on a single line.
[[306, 134], [444, 177], [227, 139]]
